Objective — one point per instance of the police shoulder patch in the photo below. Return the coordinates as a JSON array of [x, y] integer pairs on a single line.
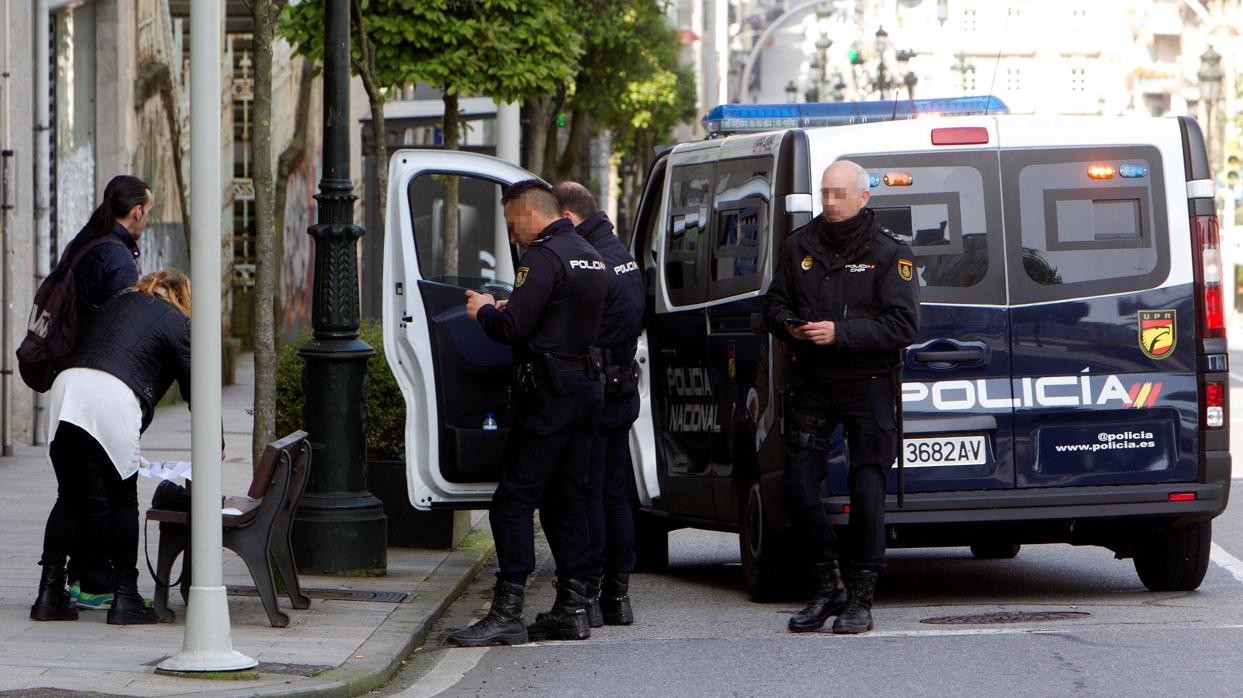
[[906, 270], [520, 276]]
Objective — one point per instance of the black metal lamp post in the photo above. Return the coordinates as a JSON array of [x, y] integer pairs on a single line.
[[1210, 90], [339, 527], [882, 43], [791, 92]]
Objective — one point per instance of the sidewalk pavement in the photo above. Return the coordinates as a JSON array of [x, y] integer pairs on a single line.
[[336, 647]]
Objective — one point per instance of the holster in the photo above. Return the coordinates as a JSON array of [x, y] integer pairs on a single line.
[[621, 382], [552, 369]]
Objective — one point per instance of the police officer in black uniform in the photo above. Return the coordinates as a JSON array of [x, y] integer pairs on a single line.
[[608, 506], [845, 297], [551, 319]]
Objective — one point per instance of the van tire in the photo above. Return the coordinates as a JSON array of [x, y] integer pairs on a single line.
[[651, 543], [1176, 559], [768, 567], [995, 551]]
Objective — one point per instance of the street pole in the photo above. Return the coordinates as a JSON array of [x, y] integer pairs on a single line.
[[508, 148], [208, 646], [791, 13], [43, 170], [339, 527]]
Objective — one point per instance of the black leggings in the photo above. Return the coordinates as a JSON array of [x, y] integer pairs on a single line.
[[95, 509]]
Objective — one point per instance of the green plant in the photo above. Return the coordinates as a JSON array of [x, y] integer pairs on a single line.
[[386, 409]]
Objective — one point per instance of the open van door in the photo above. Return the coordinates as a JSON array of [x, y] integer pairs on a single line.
[[452, 376]]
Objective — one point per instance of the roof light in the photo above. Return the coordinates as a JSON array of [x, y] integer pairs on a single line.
[[898, 179], [1131, 170], [1101, 172], [744, 118], [873, 180], [964, 135]]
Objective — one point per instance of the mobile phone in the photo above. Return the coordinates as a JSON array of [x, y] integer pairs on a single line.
[[795, 322]]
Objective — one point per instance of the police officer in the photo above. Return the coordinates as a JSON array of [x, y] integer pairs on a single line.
[[551, 319], [845, 297], [608, 505]]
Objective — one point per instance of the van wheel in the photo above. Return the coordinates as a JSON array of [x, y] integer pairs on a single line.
[[995, 551], [1176, 559], [651, 543], [767, 564]]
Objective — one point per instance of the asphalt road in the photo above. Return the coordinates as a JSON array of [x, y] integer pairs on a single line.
[[698, 633]]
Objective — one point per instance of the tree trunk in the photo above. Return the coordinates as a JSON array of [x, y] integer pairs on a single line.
[[548, 168], [580, 130], [449, 238], [539, 110], [366, 69], [264, 12]]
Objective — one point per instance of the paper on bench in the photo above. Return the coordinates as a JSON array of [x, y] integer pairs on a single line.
[[164, 469]]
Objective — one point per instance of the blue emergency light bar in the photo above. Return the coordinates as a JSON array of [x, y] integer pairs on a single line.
[[744, 118]]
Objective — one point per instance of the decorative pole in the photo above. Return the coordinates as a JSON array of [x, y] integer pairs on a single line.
[[339, 527]]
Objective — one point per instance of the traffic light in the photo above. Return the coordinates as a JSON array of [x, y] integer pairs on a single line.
[[853, 55], [561, 120]]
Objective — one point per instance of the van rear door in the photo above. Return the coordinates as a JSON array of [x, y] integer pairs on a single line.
[[1103, 295], [956, 396]]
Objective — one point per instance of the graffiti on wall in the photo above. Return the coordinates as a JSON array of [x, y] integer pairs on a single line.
[[297, 253]]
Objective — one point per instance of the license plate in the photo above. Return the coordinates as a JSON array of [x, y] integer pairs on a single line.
[[944, 450]]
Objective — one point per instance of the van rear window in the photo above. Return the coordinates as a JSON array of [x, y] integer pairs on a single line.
[[1075, 235], [950, 214]]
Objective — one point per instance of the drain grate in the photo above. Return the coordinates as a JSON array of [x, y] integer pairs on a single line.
[[336, 594], [1007, 617]]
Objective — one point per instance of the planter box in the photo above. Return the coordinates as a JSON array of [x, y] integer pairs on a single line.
[[408, 527]]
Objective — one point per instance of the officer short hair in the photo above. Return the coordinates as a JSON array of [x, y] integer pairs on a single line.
[[536, 192], [575, 198]]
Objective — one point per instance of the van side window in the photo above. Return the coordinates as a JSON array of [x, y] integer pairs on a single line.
[[741, 232], [474, 227], [690, 203], [1074, 235], [947, 207]]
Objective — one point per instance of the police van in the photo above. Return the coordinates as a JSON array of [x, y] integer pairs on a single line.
[[1069, 383]]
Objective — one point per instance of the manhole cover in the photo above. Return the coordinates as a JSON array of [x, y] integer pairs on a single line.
[[1007, 617], [335, 594]]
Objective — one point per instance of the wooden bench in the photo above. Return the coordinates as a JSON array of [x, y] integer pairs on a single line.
[[261, 529]]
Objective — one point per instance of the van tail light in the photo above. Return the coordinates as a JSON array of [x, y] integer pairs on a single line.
[[1214, 407], [1182, 497], [1208, 274]]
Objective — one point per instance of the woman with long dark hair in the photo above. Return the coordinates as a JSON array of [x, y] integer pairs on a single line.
[[128, 354], [104, 272]]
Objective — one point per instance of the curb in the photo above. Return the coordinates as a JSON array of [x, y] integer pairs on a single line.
[[405, 628]]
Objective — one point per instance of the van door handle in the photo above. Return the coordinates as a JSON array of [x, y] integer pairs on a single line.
[[948, 357]]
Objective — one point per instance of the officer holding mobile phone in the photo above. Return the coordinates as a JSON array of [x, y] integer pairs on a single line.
[[845, 297]]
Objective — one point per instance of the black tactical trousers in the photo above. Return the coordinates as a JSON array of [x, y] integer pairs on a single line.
[[546, 465], [608, 506], [865, 408]]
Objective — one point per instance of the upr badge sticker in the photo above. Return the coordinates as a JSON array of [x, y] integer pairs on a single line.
[[1158, 332], [906, 270], [807, 263], [520, 277]]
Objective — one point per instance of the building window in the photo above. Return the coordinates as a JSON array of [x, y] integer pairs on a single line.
[[1078, 80], [968, 20], [1014, 80], [968, 81]]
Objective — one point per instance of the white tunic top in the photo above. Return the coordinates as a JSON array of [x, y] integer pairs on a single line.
[[103, 406]]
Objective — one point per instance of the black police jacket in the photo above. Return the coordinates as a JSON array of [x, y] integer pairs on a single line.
[[558, 298], [872, 299], [106, 270], [144, 341], [623, 306]]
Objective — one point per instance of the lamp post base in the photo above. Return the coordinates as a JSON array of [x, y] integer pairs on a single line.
[[342, 533]]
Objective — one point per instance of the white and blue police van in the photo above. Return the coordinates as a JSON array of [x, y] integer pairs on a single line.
[[1069, 383]]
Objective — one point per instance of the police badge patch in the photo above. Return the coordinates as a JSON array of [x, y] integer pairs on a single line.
[[906, 270], [1158, 332], [807, 263], [520, 277]]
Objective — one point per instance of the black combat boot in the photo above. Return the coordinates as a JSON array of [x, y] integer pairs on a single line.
[[128, 606], [567, 620], [502, 626], [615, 599], [857, 618], [595, 618], [53, 602], [828, 598]]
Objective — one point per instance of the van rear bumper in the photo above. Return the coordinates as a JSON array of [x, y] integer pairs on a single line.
[[1067, 504]]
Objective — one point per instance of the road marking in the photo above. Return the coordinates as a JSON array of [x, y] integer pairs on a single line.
[[449, 670], [1230, 563]]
